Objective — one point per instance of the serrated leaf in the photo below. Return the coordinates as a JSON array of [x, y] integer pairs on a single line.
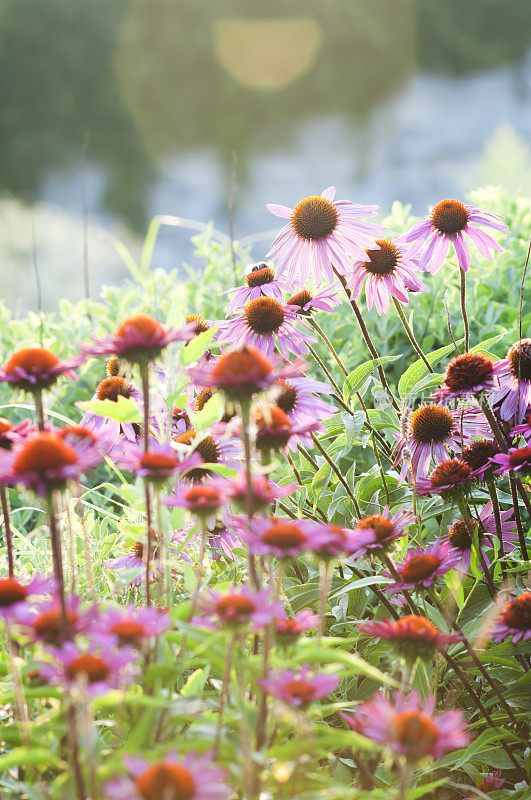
[[124, 409], [355, 379]]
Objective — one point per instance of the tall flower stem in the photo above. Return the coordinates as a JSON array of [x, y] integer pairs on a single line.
[[410, 335], [71, 720], [392, 569], [469, 522], [479, 705], [366, 336], [224, 691], [86, 546], [497, 519], [514, 483], [39, 408], [325, 580], [462, 278], [378, 594], [245, 410], [337, 471], [144, 379], [7, 528], [57, 556], [473, 655], [329, 344]]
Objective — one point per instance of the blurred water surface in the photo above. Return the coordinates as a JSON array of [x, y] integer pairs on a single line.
[[137, 107]]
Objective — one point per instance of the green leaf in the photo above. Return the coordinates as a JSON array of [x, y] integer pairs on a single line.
[[195, 682], [25, 756], [355, 379], [475, 749], [483, 347], [321, 478], [418, 369], [122, 410], [211, 412], [330, 655], [197, 346]]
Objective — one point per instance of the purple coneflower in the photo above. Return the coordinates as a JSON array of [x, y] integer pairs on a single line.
[[263, 491], [478, 454], [491, 782], [411, 636], [14, 594], [297, 397], [139, 338], [33, 369], [422, 566], [275, 431], [513, 398], [307, 302], [299, 688], [43, 622], [448, 479], [459, 535], [174, 777], [408, 727], [515, 620], [322, 234], [133, 626], [158, 464], [518, 458], [288, 629], [468, 375], [447, 225], [99, 667], [180, 421], [434, 431], [260, 281], [212, 449], [388, 271], [238, 607], [46, 460], [132, 562], [11, 434], [378, 531], [265, 323], [203, 500], [283, 538], [335, 541]]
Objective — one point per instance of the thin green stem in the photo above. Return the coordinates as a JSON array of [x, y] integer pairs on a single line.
[[337, 471], [462, 279], [410, 335]]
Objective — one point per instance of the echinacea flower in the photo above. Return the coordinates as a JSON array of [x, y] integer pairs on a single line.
[[491, 782], [174, 777], [433, 431], [260, 281], [478, 454], [322, 233], [14, 594], [158, 464], [133, 626], [518, 458], [46, 461], [413, 636], [263, 492], [377, 532], [275, 431], [112, 388], [238, 607], [212, 450], [97, 666], [239, 373], [197, 324], [33, 369], [422, 566], [388, 271], [202, 499], [513, 398], [266, 324], [299, 688], [515, 620], [307, 302], [283, 538], [288, 629], [460, 539], [467, 375], [10, 433], [408, 727], [138, 339], [298, 398], [133, 562], [448, 479], [335, 541], [43, 621], [180, 421], [448, 223]]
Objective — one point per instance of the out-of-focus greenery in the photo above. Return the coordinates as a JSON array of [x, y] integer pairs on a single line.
[[68, 68]]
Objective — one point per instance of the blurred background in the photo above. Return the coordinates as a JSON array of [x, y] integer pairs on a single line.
[[113, 111]]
